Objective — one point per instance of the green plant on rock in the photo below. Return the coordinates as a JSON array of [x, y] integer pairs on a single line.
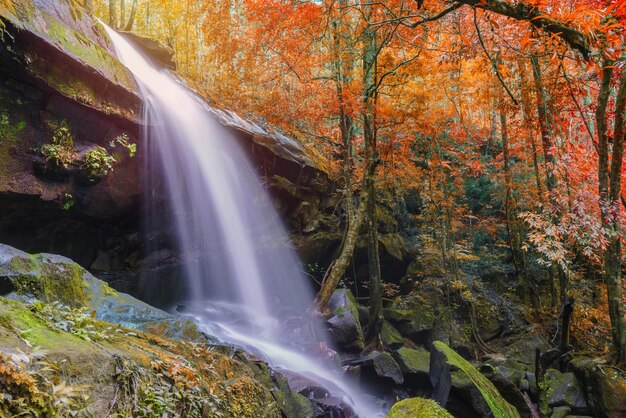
[[67, 201], [166, 390], [61, 152], [8, 130], [124, 141], [76, 321], [34, 393], [98, 162]]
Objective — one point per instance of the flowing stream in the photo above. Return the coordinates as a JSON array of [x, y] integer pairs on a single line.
[[244, 279]]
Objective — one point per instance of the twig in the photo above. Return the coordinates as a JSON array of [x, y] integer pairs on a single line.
[[493, 63]]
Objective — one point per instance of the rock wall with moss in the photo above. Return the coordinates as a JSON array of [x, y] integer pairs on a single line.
[[69, 113]]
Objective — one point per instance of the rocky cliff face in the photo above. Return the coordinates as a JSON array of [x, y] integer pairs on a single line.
[[67, 106]]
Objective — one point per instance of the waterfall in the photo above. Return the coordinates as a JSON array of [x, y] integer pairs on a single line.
[[244, 278]]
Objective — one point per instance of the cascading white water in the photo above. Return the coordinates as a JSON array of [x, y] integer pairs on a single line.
[[244, 278]]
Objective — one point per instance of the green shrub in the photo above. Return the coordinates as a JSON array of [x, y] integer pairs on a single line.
[[60, 153], [98, 162], [124, 141]]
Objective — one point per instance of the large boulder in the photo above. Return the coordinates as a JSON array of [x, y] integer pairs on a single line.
[[469, 385], [563, 389], [414, 361], [344, 324], [509, 388], [51, 278], [60, 362], [386, 367], [413, 323], [605, 386], [390, 336], [417, 408]]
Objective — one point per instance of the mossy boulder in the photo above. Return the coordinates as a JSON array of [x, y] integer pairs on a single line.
[[53, 278], [413, 361], [418, 408], [390, 336], [294, 405], [563, 389], [39, 277], [508, 389], [249, 399], [416, 324], [386, 367], [344, 324], [605, 386], [609, 392], [50, 367], [468, 383], [510, 369]]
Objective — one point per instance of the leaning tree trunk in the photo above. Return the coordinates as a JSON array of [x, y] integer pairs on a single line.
[[340, 265], [354, 217], [131, 18]]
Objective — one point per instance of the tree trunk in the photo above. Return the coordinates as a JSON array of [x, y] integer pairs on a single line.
[[609, 188], [131, 18], [122, 13], [549, 148], [370, 56], [112, 14], [545, 128], [353, 220], [339, 266], [514, 242]]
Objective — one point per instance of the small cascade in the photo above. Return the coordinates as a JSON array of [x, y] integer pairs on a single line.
[[245, 282]]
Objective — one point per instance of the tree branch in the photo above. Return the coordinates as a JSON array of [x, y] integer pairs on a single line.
[[493, 63], [537, 18]]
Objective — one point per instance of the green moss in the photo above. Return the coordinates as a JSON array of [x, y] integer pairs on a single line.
[[87, 51], [9, 130], [248, 399], [50, 282], [23, 264], [418, 408], [63, 282], [414, 361], [498, 405], [294, 405], [390, 336], [16, 317], [108, 290]]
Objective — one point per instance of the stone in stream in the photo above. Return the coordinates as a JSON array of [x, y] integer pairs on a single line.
[[344, 323], [385, 366], [563, 389]]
